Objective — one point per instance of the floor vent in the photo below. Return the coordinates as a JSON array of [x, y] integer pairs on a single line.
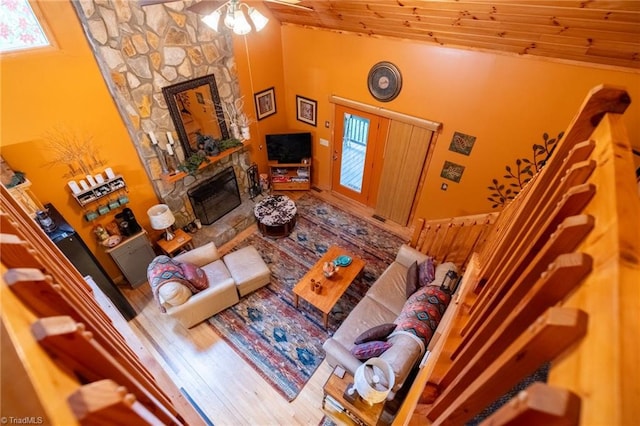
[[315, 188], [380, 218]]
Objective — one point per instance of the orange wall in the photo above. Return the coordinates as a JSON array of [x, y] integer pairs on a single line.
[[259, 66], [64, 87], [507, 102]]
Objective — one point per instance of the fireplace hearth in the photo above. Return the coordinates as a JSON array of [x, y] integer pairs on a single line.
[[215, 197]]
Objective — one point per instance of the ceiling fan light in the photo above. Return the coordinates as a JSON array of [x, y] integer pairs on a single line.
[[229, 17], [258, 19], [241, 25], [212, 20]]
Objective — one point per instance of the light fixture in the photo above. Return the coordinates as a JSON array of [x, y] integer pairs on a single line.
[[373, 380], [235, 19], [161, 219]]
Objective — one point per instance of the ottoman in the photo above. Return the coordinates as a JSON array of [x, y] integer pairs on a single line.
[[276, 215], [247, 269]]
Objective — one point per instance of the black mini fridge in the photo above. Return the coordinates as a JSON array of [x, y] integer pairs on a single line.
[[75, 249]]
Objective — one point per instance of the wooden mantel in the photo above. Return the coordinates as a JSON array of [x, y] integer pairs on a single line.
[[176, 176]]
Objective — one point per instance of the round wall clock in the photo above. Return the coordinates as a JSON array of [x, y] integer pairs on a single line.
[[384, 81]]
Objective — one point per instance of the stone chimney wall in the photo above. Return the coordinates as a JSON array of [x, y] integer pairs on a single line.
[[140, 51]]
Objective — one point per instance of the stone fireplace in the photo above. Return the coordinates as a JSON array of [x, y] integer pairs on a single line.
[[142, 50]]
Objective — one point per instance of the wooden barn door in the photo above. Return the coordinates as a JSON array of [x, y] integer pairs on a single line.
[[405, 156]]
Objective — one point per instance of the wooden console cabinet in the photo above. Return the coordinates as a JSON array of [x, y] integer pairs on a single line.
[[290, 176], [132, 256]]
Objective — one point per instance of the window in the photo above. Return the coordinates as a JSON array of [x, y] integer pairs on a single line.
[[19, 27]]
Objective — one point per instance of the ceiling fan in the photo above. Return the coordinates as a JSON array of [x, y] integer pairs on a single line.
[[206, 7]]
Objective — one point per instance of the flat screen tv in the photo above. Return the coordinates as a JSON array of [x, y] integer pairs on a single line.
[[288, 147]]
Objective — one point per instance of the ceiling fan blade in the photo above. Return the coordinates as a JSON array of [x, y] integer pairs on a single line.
[[292, 3], [143, 3], [205, 7]]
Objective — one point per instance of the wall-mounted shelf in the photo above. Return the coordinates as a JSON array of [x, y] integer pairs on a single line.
[[100, 190]]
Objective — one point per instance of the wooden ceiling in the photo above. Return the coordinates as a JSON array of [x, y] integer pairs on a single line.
[[604, 32]]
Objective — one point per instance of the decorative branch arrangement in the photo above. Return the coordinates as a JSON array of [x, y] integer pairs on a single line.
[[524, 170], [238, 120], [67, 147]]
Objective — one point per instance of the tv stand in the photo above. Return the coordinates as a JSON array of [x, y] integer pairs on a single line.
[[290, 176]]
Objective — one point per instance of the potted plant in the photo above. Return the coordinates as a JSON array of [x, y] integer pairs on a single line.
[[192, 164]]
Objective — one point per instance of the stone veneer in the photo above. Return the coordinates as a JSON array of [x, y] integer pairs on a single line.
[[140, 51]]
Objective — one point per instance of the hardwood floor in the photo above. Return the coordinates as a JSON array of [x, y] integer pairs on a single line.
[[223, 386]]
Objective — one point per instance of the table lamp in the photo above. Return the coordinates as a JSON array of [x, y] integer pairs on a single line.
[[373, 380], [161, 218]]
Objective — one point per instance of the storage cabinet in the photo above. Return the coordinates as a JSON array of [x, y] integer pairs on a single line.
[[132, 256], [290, 176]]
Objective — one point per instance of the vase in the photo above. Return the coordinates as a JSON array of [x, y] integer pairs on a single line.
[[244, 131], [235, 132]]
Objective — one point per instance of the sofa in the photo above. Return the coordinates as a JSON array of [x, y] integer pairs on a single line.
[[228, 279], [382, 305]]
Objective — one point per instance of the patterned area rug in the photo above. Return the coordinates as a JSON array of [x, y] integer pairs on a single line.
[[282, 343]]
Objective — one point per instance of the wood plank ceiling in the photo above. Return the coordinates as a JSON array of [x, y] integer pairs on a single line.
[[603, 32]]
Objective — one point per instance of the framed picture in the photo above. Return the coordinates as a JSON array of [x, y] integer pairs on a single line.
[[452, 171], [307, 110], [462, 143], [265, 103]]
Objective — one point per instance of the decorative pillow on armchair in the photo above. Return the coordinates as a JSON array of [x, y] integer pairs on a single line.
[[173, 293], [422, 312], [163, 269], [195, 275]]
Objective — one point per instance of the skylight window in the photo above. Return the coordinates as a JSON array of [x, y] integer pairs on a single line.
[[19, 27]]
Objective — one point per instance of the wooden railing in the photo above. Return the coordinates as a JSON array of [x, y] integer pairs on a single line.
[[555, 282], [452, 239], [67, 346]]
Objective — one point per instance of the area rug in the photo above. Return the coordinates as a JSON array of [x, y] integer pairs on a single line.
[[282, 343]]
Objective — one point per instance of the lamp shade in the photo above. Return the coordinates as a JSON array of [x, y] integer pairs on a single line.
[[373, 380], [160, 217]]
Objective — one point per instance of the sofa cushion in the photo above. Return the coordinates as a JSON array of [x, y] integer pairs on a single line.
[[366, 314], [413, 279], [390, 288], [200, 256], [371, 349], [379, 332], [426, 272], [173, 293], [422, 312]]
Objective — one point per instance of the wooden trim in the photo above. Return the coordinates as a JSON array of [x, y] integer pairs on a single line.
[[383, 112]]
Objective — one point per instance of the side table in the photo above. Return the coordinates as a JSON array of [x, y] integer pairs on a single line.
[[359, 411], [181, 241]]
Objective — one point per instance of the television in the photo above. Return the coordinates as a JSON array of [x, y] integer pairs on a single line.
[[288, 147]]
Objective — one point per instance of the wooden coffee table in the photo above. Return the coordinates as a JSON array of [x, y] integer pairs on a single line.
[[332, 288]]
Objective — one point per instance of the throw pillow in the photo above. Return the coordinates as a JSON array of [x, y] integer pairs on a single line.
[[412, 279], [426, 272], [379, 332], [195, 275], [368, 350], [163, 269], [173, 293], [422, 312]]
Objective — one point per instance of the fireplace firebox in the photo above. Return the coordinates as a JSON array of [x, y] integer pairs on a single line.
[[215, 197]]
